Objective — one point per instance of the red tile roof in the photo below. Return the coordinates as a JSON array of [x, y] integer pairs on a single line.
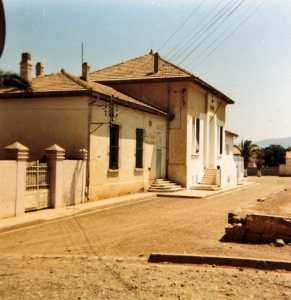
[[63, 82], [142, 68]]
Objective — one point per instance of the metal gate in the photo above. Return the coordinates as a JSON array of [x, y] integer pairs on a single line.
[[37, 186]]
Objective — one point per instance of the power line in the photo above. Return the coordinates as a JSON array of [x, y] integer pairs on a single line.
[[200, 30], [251, 14], [233, 10], [183, 24]]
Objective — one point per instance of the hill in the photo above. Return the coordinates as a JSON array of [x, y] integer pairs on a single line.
[[285, 142]]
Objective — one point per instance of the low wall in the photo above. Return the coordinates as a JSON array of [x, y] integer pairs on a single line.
[[270, 171], [74, 182], [257, 228], [285, 170], [8, 173]]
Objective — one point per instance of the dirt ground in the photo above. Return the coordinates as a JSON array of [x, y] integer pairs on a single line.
[[159, 225], [132, 232], [109, 278]]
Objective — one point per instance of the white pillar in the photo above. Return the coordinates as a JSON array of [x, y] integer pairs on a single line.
[[19, 152]]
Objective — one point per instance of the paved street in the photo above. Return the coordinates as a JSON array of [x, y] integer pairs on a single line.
[[158, 225]]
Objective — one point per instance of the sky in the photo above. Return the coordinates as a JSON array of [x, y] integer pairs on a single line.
[[249, 61]]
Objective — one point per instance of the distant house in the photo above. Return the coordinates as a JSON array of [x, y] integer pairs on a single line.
[[197, 144]]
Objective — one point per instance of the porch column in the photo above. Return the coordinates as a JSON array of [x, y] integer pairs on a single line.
[[56, 156], [20, 153]]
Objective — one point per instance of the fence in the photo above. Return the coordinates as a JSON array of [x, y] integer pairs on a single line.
[[27, 186], [37, 186]]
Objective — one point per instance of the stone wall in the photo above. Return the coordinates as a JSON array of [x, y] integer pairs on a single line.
[[257, 228]]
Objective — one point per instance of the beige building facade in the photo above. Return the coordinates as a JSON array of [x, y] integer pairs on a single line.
[[196, 135]]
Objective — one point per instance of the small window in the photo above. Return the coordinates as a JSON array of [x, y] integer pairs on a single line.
[[220, 140], [195, 136], [114, 147], [139, 148]]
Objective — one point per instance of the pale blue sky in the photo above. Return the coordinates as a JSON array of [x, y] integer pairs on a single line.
[[253, 66]]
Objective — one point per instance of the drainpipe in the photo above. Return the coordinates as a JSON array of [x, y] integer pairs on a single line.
[[168, 131], [90, 104]]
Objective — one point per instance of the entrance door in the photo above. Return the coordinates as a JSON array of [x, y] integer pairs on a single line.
[[159, 155], [37, 186], [159, 163]]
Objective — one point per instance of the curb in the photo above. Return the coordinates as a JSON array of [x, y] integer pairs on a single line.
[[265, 264], [78, 212]]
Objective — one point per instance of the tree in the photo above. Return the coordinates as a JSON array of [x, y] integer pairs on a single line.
[[274, 155], [247, 150], [9, 79]]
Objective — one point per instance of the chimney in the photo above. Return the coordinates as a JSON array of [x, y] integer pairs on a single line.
[[85, 71], [156, 62], [26, 67], [39, 69]]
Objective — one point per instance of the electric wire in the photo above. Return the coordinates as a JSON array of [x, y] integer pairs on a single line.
[[228, 36], [183, 24], [230, 13], [198, 32]]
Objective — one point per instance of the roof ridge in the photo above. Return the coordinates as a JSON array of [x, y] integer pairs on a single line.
[[176, 66], [121, 63], [76, 80]]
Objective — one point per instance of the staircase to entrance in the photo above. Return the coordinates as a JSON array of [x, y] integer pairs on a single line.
[[209, 181], [163, 185]]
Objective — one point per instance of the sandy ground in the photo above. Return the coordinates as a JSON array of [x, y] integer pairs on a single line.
[[109, 278], [159, 225], [134, 231]]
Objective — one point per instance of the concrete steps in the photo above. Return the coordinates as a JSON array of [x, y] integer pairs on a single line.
[[209, 177], [208, 182], [164, 186]]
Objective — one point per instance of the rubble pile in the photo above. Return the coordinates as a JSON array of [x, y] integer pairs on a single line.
[[257, 228]]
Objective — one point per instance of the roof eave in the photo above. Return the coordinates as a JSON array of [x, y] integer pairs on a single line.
[[197, 80], [130, 104], [43, 94]]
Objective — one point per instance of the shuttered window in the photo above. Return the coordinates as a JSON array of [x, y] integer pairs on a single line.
[[220, 140], [139, 148], [197, 134], [114, 147]]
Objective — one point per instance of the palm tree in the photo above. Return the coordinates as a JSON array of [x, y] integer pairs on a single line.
[[247, 150], [9, 79]]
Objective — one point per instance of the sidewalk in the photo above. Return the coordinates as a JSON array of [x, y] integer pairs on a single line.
[[41, 216], [199, 194]]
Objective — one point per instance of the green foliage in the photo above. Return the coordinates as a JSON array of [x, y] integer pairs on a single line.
[[8, 79], [274, 155], [247, 150]]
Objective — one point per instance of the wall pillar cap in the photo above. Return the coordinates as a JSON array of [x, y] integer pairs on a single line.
[[17, 151], [16, 146], [83, 154], [55, 152]]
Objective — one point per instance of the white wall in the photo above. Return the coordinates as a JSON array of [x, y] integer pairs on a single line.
[[8, 187], [74, 182]]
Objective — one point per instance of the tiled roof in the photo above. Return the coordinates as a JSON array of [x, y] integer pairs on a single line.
[[56, 82], [142, 68], [63, 82], [110, 92], [231, 133]]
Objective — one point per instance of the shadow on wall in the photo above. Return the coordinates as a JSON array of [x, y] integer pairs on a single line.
[[75, 182]]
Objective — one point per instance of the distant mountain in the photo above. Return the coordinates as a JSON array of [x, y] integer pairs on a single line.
[[285, 142]]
